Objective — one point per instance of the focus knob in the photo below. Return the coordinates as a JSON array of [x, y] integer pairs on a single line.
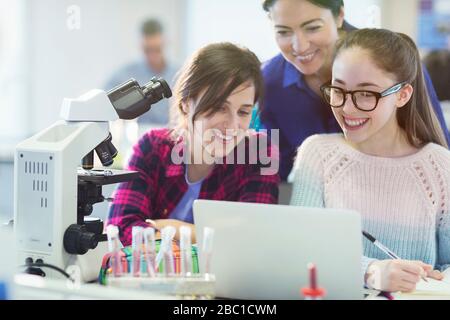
[[78, 240]]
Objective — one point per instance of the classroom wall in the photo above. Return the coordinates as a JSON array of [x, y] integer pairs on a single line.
[[242, 22], [66, 63], [58, 62], [245, 22], [6, 191], [12, 71], [363, 13], [401, 16]]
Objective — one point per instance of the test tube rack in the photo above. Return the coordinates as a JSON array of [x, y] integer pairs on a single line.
[[197, 286]]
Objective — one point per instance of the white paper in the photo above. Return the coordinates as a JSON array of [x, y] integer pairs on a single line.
[[435, 287]]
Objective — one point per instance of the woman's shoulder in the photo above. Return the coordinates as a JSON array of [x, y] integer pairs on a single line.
[[273, 63], [273, 69], [435, 159], [160, 135], [321, 142], [438, 155], [438, 149], [155, 140], [318, 149]]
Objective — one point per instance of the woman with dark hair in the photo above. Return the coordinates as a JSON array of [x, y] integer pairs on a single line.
[[208, 153], [306, 32]]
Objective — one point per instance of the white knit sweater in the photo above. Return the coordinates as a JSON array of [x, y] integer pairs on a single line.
[[403, 202]]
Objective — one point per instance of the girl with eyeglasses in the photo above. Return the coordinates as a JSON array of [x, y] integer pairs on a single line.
[[391, 164], [306, 32]]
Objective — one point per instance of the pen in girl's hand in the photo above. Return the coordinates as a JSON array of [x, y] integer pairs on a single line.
[[383, 248]]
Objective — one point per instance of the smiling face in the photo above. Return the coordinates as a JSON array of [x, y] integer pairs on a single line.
[[220, 132], [354, 69], [305, 33]]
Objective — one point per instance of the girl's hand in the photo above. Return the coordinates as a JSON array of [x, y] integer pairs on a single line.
[[435, 274], [161, 223], [397, 275]]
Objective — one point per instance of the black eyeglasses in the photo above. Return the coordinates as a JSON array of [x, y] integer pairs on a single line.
[[363, 100]]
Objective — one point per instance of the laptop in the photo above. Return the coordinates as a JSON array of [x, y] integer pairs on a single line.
[[262, 251]]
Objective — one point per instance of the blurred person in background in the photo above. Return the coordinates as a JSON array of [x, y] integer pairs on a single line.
[[153, 63], [438, 65]]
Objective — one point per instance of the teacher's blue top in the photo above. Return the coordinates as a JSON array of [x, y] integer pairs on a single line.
[[298, 112]]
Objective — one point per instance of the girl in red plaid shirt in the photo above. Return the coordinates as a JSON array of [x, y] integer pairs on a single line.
[[208, 153]]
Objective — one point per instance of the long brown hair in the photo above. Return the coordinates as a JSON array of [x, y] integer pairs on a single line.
[[397, 54], [219, 69]]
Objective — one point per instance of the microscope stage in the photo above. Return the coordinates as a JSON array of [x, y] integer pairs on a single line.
[[106, 176]]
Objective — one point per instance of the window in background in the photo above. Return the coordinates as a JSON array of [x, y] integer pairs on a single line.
[[13, 95], [247, 24], [13, 84], [241, 22], [434, 24], [363, 13]]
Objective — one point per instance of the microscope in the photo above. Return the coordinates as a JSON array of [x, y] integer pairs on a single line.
[[56, 184]]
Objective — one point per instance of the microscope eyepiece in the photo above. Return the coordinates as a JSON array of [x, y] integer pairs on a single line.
[[156, 90], [131, 100]]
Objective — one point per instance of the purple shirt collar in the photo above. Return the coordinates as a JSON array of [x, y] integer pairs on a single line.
[[293, 76]]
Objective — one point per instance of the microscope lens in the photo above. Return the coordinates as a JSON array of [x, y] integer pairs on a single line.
[[88, 161], [103, 154], [112, 150]]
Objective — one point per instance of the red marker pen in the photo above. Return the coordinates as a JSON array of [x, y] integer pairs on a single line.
[[313, 292]]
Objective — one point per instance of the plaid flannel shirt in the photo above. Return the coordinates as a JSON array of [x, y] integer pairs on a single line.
[[161, 183]]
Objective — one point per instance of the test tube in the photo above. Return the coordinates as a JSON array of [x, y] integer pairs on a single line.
[[313, 292], [165, 252], [169, 262], [186, 251], [208, 237], [136, 245], [150, 251], [114, 246]]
